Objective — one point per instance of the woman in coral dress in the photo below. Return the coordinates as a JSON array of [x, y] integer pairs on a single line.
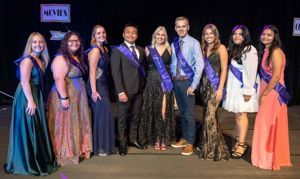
[[270, 145]]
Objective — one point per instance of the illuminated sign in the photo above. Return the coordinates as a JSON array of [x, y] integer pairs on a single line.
[[55, 13], [296, 27]]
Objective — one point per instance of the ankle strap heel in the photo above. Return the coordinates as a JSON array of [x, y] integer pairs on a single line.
[[239, 155]]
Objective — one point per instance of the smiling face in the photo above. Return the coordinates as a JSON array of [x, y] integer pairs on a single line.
[[267, 37], [182, 27], [160, 37], [100, 35], [73, 43], [130, 34], [209, 36], [237, 37], [37, 44]]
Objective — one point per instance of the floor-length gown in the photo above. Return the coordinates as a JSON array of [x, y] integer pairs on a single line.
[[152, 126], [213, 143], [270, 143], [30, 149], [70, 129], [103, 120]]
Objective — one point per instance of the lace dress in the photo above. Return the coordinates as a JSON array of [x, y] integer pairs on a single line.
[[152, 125], [213, 143]]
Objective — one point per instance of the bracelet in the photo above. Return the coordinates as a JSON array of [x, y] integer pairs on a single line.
[[65, 98]]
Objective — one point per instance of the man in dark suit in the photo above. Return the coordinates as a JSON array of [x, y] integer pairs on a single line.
[[128, 73]]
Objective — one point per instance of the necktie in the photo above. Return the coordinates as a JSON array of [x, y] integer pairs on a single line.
[[181, 44], [133, 51], [178, 66]]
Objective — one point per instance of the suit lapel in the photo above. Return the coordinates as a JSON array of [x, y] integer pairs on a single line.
[[137, 47]]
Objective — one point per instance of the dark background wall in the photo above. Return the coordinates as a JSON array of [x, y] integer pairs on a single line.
[[18, 18]]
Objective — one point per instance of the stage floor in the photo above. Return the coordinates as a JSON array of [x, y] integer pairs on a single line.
[[169, 164]]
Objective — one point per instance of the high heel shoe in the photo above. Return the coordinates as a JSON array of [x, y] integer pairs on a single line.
[[239, 155], [233, 149], [163, 147], [235, 145], [157, 145]]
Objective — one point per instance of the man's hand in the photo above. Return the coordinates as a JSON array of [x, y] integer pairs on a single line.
[[123, 97], [190, 91]]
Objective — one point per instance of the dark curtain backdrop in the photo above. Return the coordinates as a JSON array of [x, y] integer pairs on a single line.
[[18, 18]]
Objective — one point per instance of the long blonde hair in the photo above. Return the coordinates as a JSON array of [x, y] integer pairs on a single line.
[[28, 49], [160, 28], [93, 40], [217, 41]]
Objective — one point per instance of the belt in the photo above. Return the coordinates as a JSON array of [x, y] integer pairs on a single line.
[[180, 78]]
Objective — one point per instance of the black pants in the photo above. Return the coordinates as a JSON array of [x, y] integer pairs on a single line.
[[129, 115]]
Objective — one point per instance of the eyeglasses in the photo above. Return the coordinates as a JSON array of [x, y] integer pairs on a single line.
[[74, 41]]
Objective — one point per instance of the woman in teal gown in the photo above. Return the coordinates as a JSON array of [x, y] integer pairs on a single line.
[[30, 150]]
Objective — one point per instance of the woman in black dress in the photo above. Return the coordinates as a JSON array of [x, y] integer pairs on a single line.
[[157, 125], [216, 57]]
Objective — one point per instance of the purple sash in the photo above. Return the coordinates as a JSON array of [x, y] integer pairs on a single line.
[[91, 48], [78, 65], [75, 63], [183, 63], [101, 54], [167, 82], [239, 75], [279, 88], [132, 58], [35, 63], [212, 76]]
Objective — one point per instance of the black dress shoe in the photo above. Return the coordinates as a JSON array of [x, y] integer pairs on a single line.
[[138, 145], [123, 150]]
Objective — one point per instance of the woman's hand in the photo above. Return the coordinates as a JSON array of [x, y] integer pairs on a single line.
[[261, 99], [31, 107], [219, 94], [95, 96], [65, 103], [247, 98]]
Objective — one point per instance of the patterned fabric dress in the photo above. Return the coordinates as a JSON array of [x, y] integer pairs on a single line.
[[70, 129], [103, 120], [270, 143], [213, 143], [152, 126], [30, 149]]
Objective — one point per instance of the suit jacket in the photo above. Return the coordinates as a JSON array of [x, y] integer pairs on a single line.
[[126, 76]]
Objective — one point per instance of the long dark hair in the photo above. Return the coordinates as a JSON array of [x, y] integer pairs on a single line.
[[276, 43], [235, 51], [64, 47]]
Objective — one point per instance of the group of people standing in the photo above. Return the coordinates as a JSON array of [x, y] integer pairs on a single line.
[[79, 119]]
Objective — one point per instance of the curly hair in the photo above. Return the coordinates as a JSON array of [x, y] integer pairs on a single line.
[[64, 50]]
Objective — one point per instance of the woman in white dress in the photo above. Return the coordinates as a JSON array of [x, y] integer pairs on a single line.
[[242, 84]]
